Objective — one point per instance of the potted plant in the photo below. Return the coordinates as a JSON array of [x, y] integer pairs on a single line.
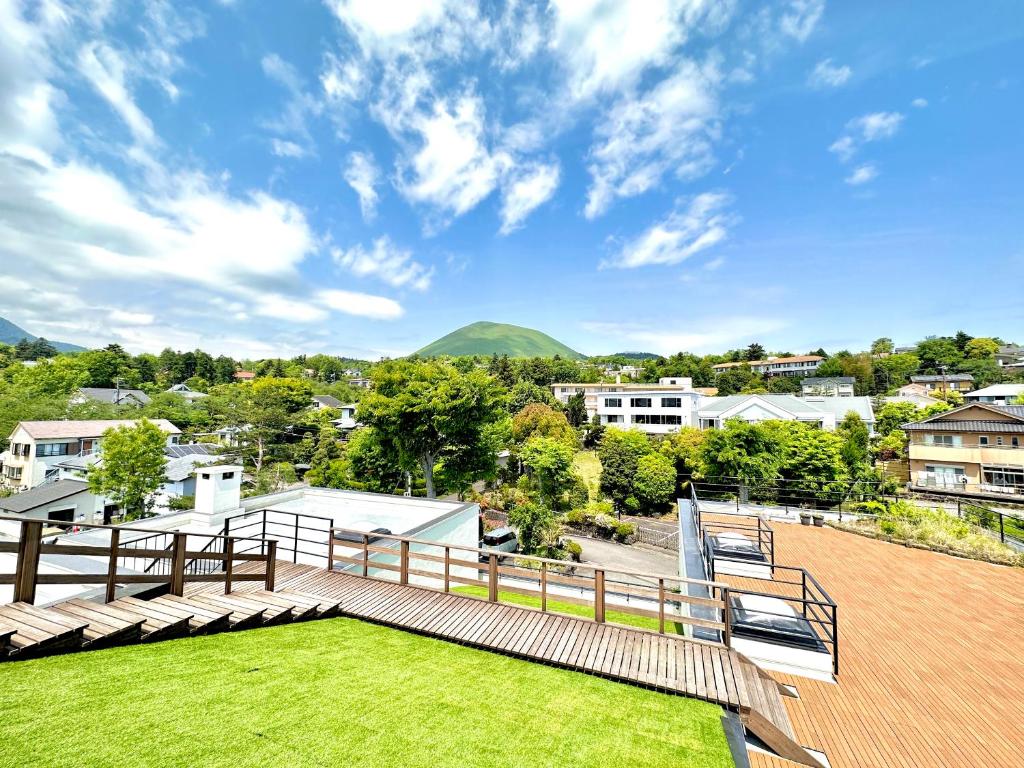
[[805, 518], [819, 519]]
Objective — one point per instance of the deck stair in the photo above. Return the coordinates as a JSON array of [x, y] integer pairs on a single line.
[[38, 633]]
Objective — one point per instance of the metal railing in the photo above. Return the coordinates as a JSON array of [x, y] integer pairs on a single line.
[[608, 593], [296, 533], [186, 558]]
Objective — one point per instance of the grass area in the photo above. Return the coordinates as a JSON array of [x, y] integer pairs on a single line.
[[337, 692], [588, 466], [617, 617]]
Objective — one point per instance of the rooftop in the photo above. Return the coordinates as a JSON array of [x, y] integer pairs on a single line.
[[327, 401], [998, 390], [52, 430], [947, 377], [773, 361], [839, 406], [829, 380], [113, 395], [47, 493]]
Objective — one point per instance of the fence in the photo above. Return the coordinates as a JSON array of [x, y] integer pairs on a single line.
[[187, 557], [550, 584]]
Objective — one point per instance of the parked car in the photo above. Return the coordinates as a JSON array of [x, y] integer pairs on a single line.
[[499, 540]]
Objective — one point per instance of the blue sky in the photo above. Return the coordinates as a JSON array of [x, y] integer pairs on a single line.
[[358, 178]]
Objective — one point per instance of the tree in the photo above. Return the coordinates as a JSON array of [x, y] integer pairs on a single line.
[[891, 415], [735, 379], [526, 392], [538, 420], [431, 413], [620, 452], [536, 525], [374, 464], [754, 352], [812, 466], [882, 346], [981, 348], [576, 410], [549, 464], [683, 449], [855, 436], [740, 452], [655, 482], [132, 469]]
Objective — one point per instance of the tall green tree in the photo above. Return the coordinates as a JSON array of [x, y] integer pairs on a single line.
[[431, 413], [132, 469], [620, 452], [548, 463], [655, 482]]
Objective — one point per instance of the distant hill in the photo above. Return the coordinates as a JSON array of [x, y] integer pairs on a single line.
[[637, 355], [12, 334], [485, 338]]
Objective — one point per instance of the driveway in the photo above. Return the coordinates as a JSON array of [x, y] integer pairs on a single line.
[[629, 557]]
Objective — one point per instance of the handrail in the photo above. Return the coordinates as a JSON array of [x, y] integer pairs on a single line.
[[93, 526]]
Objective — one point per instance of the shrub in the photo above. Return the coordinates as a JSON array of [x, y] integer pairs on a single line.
[[624, 531], [573, 550]]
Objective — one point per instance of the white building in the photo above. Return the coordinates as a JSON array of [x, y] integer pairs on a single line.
[[824, 412], [185, 391], [655, 411], [564, 391], [997, 394], [800, 365], [37, 447], [833, 386], [347, 419]]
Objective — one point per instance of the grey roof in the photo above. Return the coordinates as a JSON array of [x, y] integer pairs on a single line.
[[947, 377], [840, 406], [179, 468], [115, 396], [41, 495], [972, 425], [830, 380], [998, 390], [327, 400], [189, 449]]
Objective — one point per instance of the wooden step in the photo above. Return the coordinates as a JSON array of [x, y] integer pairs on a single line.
[[299, 612], [5, 636], [325, 606], [103, 629], [203, 619], [255, 615], [35, 634], [155, 625]]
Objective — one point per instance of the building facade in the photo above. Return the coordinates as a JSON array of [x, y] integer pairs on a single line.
[[997, 394], [655, 411], [835, 386], [975, 448], [799, 365], [823, 412], [954, 382], [564, 391]]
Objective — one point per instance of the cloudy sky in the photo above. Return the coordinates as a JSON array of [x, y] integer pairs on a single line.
[[275, 178]]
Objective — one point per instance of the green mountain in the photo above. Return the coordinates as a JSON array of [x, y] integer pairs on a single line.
[[12, 334], [485, 338]]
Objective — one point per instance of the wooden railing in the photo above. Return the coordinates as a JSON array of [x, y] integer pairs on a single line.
[[660, 598], [183, 560]]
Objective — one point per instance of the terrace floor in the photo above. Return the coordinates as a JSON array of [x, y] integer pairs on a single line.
[[931, 656]]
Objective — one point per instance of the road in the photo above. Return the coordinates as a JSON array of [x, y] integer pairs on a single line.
[[627, 557]]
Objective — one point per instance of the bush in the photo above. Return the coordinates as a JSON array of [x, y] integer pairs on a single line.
[[624, 531], [573, 550], [181, 502]]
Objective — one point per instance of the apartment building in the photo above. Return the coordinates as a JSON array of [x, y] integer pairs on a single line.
[[35, 448], [955, 382], [834, 386], [823, 412], [655, 411], [799, 365], [563, 391], [997, 394], [978, 447]]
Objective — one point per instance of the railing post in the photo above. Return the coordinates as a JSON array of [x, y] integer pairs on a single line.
[[492, 578], [227, 532], [295, 549], [178, 546], [115, 541], [447, 568], [1002, 531], [330, 549], [803, 590], [229, 567], [28, 561], [366, 555], [599, 596], [726, 617], [271, 565], [661, 606], [403, 573], [544, 586]]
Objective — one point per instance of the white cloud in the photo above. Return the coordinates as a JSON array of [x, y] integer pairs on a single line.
[[866, 128], [862, 174], [844, 146], [528, 188], [919, 103], [362, 175], [801, 18], [827, 75], [701, 335], [671, 127], [284, 148], [105, 69], [387, 262], [694, 226], [293, 137], [361, 304], [131, 318]]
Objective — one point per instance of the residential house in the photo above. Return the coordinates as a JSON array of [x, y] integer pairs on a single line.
[[799, 365], [361, 382], [185, 391], [112, 395], [320, 402], [563, 391], [997, 394], [70, 501], [977, 447], [834, 386], [347, 419], [37, 447], [955, 382], [824, 412], [913, 393], [1010, 357], [244, 375], [655, 411]]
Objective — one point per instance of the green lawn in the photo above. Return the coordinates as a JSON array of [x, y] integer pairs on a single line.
[[587, 612], [588, 466], [337, 692]]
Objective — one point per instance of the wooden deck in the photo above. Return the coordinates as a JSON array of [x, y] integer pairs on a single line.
[[932, 661], [671, 664]]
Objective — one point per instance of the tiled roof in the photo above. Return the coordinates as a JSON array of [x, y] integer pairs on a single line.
[[42, 494], [51, 430], [115, 396], [972, 425], [327, 400], [947, 377], [829, 380]]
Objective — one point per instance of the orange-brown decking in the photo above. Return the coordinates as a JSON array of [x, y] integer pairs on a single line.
[[931, 653]]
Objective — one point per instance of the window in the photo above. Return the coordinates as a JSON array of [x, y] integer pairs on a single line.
[[657, 418], [639, 402], [53, 449], [228, 475], [613, 402], [946, 440], [614, 418], [999, 441], [983, 440], [671, 402], [1015, 442]]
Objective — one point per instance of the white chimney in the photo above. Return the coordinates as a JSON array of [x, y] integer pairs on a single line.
[[218, 489]]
